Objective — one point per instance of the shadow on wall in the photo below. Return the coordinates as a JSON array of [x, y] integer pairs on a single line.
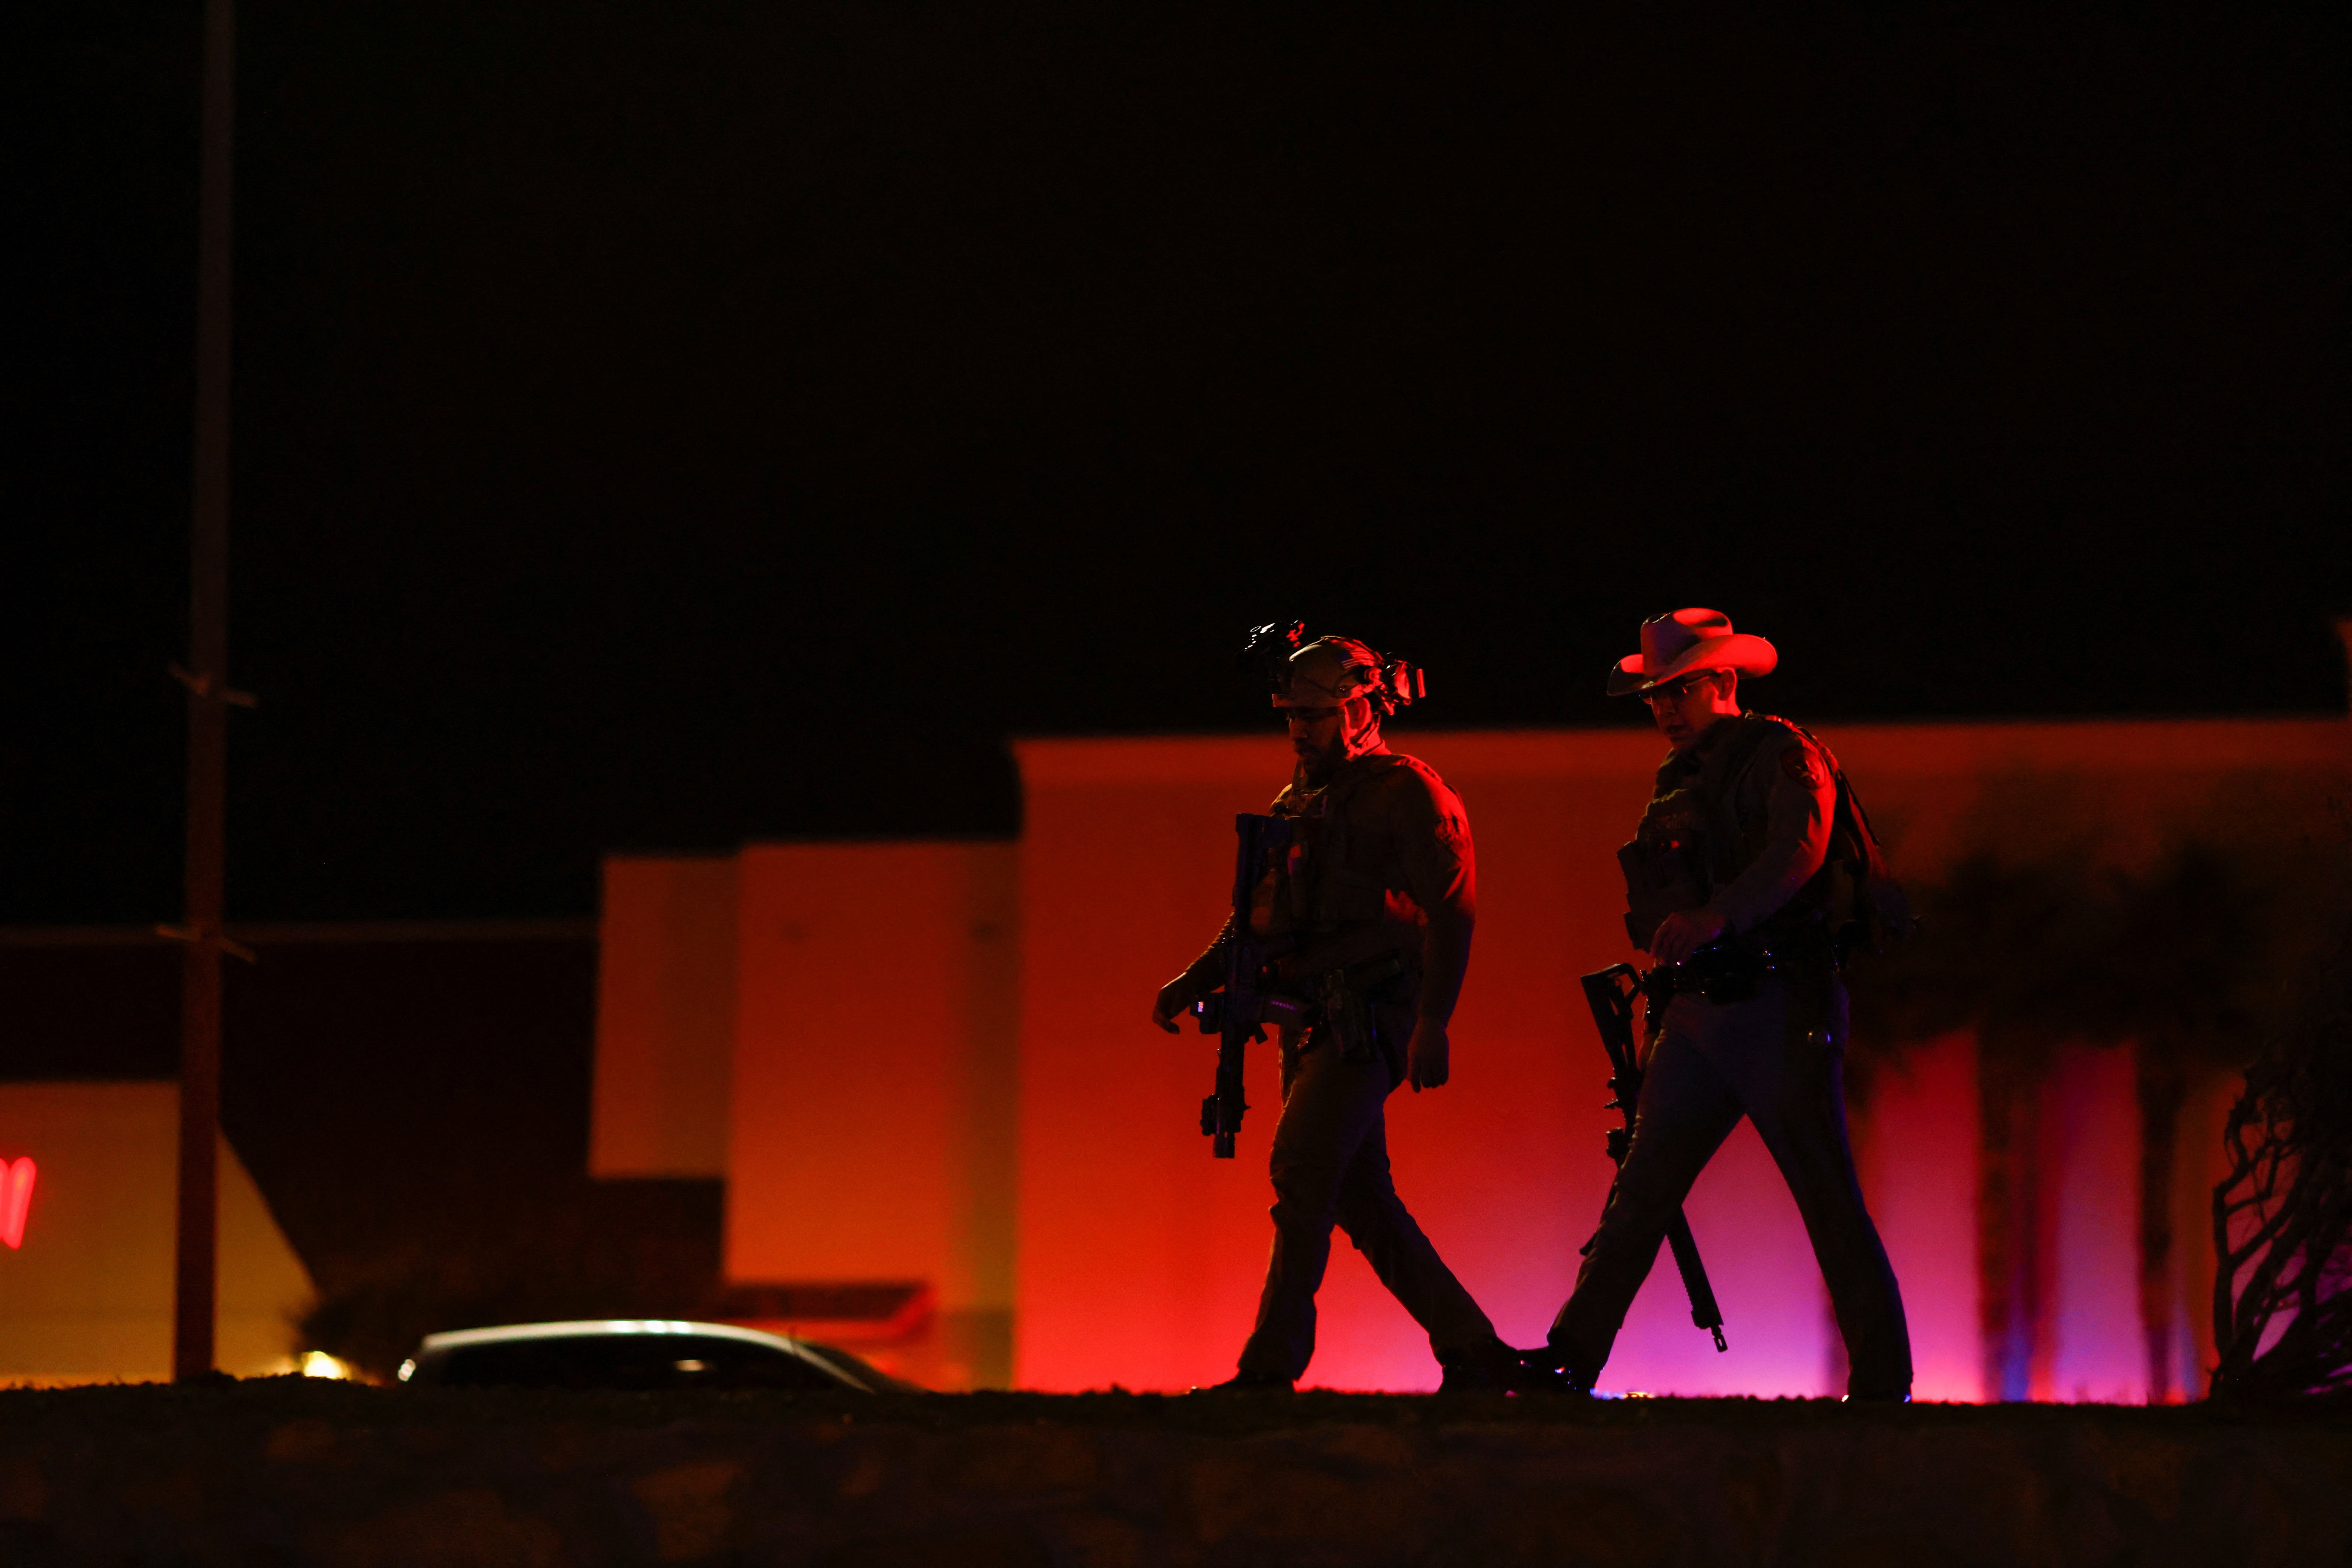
[[2282, 1216], [411, 1102], [2183, 964], [86, 1283]]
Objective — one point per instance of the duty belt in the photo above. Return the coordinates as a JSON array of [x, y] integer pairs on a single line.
[[1733, 969], [1345, 1004]]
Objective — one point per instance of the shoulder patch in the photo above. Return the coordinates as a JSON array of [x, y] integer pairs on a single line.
[[1798, 762], [1400, 767], [1414, 784]]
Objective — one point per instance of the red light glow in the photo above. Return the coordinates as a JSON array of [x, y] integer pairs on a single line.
[[16, 1200], [1140, 1257]]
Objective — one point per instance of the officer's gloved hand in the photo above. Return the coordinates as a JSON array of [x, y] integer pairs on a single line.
[[1426, 1064], [1175, 1000], [1680, 935]]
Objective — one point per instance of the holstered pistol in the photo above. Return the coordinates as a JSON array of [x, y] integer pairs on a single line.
[[1348, 1015]]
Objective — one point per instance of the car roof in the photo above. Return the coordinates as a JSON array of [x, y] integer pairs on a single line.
[[586, 1328]]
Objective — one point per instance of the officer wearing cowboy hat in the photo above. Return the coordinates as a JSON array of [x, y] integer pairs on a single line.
[[1733, 883]]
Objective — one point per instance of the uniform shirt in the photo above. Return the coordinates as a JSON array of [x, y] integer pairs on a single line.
[[1382, 845], [1759, 795], [1383, 826]]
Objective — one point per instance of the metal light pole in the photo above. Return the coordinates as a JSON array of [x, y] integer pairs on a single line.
[[207, 678]]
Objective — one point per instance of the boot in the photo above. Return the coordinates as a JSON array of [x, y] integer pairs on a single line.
[[1495, 1369], [1548, 1372], [1246, 1382]]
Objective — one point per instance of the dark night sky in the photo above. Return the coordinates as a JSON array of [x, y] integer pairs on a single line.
[[662, 424]]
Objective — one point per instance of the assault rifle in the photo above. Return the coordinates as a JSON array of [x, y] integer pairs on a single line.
[[1611, 1001], [1240, 1011]]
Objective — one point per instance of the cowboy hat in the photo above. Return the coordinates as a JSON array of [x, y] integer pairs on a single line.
[[1684, 640]]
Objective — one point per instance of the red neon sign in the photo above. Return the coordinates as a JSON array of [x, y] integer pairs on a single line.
[[16, 1199]]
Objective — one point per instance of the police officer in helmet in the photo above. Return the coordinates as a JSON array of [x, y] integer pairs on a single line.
[[1374, 902], [1745, 881]]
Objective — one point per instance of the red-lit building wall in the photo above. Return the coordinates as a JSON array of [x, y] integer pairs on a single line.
[[870, 1129], [1141, 1257], [666, 1007], [831, 1027], [937, 1065], [86, 1271]]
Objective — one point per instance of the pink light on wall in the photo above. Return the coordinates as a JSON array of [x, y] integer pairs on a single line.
[[1920, 1143], [2090, 1155], [1140, 1259], [16, 1199]]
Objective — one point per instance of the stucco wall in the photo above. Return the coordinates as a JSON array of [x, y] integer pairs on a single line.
[[1141, 1257], [88, 1295]]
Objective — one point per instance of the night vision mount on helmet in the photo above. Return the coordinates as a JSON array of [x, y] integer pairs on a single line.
[[1269, 649], [1333, 669]]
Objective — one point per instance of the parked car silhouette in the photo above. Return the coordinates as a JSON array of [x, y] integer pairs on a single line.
[[637, 1353]]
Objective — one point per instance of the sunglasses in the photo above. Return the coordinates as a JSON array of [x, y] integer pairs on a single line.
[[1675, 691]]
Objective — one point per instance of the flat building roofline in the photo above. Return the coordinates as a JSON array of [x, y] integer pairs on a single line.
[[282, 933], [1921, 745]]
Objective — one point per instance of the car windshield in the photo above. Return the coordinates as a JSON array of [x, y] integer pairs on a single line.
[[632, 1361], [872, 1377]]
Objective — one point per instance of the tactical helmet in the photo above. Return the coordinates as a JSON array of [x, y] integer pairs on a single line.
[[1330, 671]]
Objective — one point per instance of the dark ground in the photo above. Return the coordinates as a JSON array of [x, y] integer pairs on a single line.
[[267, 1401], [282, 1472]]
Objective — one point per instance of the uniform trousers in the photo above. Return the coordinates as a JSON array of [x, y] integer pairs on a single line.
[[1777, 1057], [1330, 1165]]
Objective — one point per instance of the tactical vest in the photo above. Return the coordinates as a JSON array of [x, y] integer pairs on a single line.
[[1323, 887], [1327, 901], [1692, 842]]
